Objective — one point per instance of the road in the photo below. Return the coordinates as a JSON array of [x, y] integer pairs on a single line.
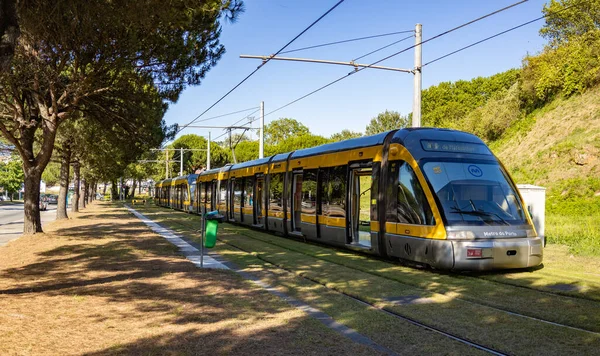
[[11, 221]]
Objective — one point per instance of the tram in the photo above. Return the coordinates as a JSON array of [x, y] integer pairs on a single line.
[[434, 197]]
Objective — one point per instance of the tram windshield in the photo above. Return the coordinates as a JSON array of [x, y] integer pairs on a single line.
[[475, 193]]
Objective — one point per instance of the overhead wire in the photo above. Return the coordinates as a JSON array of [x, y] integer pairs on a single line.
[[231, 113], [382, 48], [235, 123], [495, 35], [262, 65], [397, 53], [345, 41]]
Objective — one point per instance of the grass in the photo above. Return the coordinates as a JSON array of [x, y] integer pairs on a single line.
[[557, 146], [103, 283], [8, 202], [453, 302]]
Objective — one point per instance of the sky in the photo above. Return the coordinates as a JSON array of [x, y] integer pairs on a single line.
[[267, 25]]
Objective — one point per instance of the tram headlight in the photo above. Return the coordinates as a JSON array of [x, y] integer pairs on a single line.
[[461, 235]]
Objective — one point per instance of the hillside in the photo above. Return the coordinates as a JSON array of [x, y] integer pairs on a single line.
[[559, 142], [558, 147]]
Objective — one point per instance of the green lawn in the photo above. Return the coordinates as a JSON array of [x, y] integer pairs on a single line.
[[466, 305]]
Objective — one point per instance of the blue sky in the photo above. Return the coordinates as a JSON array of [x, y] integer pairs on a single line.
[[267, 25]]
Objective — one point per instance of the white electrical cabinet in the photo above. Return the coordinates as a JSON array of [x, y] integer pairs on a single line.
[[535, 199]]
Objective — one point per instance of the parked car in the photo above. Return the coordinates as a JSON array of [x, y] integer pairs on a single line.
[[52, 199], [43, 204]]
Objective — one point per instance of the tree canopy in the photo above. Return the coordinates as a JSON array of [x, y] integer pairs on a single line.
[[344, 135], [114, 61], [11, 175], [568, 19], [386, 121], [278, 131]]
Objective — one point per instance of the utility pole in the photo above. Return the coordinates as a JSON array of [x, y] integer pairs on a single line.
[[166, 163], [208, 153], [181, 163], [231, 148], [261, 132], [416, 114]]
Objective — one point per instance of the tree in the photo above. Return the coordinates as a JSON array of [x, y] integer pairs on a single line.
[[51, 175], [294, 143], [386, 121], [56, 72], [567, 19], [282, 129], [11, 175], [246, 151], [9, 32], [344, 135]]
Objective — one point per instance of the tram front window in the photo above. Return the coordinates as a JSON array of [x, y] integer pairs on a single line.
[[475, 193]]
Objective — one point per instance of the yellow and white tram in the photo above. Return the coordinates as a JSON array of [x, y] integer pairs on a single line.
[[431, 196]]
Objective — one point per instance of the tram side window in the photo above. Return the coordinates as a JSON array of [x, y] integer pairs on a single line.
[[325, 190], [309, 192], [410, 205], [222, 192], [237, 194], [185, 192], [337, 191], [248, 192], [203, 194], [209, 196], [276, 192], [192, 192]]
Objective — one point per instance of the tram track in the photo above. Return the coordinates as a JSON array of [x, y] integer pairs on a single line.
[[383, 308], [467, 300], [364, 302]]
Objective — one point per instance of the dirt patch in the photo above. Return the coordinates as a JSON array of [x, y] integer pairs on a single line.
[[103, 283]]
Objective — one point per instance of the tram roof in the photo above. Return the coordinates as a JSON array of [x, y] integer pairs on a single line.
[[414, 138], [256, 162], [350, 144]]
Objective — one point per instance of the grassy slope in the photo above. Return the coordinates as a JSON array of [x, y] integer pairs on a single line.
[[558, 147]]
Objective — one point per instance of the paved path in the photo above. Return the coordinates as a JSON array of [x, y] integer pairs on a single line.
[[11, 220], [189, 251]]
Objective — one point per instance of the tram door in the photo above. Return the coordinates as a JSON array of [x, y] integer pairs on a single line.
[[296, 200], [259, 198], [360, 205]]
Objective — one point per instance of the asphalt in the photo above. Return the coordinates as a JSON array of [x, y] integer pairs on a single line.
[[11, 220]]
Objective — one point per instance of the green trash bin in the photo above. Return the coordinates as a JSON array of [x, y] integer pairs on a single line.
[[212, 223]]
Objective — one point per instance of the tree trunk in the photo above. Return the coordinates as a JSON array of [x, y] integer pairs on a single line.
[[82, 193], [61, 207], [76, 178], [89, 187], [104, 191], [140, 187], [114, 190], [94, 191], [132, 195], [32, 222]]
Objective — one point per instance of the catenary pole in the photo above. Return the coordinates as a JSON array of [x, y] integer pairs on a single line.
[[166, 163], [261, 131], [208, 153], [181, 162], [416, 114]]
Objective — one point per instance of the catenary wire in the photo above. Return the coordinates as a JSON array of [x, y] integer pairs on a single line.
[[240, 120], [397, 53], [261, 65], [345, 41], [231, 113], [494, 36], [382, 48]]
